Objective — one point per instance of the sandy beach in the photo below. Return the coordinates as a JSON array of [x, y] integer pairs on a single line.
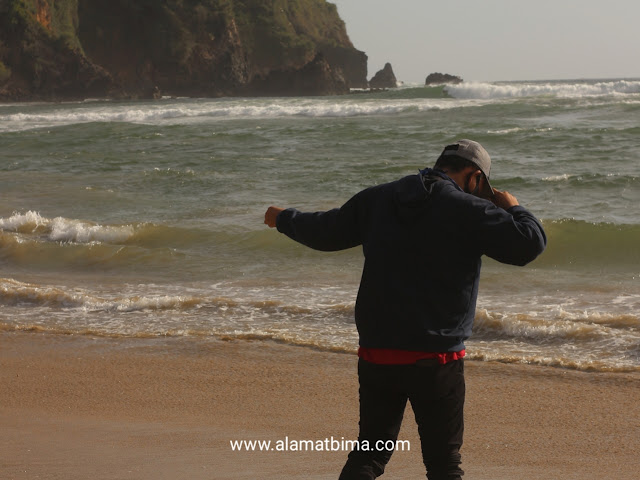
[[74, 407]]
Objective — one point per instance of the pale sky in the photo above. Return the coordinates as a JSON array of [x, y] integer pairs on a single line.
[[490, 40]]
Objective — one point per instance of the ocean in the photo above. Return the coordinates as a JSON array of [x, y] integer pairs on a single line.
[[144, 219]]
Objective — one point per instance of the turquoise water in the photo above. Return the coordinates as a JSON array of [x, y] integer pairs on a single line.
[[145, 218]]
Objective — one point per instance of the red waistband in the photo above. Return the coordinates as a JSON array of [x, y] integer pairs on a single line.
[[386, 356]]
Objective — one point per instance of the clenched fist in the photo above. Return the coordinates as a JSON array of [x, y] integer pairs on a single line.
[[271, 215]]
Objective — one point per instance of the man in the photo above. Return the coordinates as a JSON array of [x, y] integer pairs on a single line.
[[422, 238]]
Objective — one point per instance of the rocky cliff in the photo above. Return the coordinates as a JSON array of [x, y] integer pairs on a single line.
[[55, 49]]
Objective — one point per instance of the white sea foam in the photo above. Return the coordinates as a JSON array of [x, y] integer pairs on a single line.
[[65, 230], [557, 178], [539, 329], [61, 229], [14, 292], [475, 90], [571, 340], [190, 111], [19, 220], [185, 111], [505, 131]]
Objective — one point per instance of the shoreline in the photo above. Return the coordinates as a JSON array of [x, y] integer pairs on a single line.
[[86, 407]]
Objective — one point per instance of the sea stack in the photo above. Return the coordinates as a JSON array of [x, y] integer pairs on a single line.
[[442, 78], [384, 78]]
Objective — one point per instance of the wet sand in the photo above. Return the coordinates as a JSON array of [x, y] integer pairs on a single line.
[[80, 407]]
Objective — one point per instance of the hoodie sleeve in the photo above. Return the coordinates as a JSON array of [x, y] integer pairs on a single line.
[[512, 236], [336, 229]]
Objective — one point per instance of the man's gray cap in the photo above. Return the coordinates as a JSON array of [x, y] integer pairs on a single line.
[[474, 152]]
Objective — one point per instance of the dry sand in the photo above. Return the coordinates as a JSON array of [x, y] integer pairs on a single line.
[[94, 408]]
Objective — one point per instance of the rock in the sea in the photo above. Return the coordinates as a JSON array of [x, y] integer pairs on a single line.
[[442, 78], [384, 78]]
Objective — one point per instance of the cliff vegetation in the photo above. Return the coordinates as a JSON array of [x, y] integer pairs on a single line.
[[52, 49]]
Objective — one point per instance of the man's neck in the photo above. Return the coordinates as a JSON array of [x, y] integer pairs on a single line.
[[458, 177]]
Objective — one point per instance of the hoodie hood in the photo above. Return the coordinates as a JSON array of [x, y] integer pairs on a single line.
[[412, 194]]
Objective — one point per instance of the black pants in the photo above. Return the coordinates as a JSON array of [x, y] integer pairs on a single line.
[[436, 393]]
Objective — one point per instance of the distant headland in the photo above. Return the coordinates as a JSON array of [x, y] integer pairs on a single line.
[[71, 49], [122, 49]]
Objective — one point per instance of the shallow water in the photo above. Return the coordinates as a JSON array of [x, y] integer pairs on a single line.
[[145, 218]]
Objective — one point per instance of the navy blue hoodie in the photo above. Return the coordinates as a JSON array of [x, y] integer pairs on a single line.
[[422, 239]]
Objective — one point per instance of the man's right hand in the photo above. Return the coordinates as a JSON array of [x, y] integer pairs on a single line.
[[504, 199], [271, 215]]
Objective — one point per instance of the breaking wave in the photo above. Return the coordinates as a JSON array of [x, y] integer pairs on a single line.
[[576, 340], [191, 111], [536, 89], [32, 226], [16, 293], [392, 102], [61, 229], [591, 245]]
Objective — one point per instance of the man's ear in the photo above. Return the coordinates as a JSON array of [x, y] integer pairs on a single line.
[[478, 176]]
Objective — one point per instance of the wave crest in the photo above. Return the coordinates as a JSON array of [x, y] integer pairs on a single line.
[[584, 244], [553, 89], [61, 229], [16, 293]]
